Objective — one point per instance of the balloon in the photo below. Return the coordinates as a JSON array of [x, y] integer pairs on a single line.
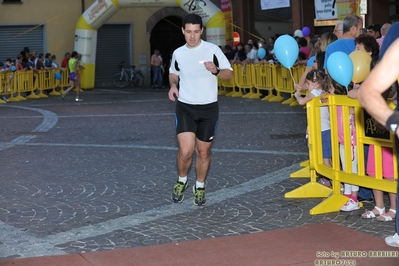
[[261, 53], [13, 68], [305, 31], [286, 50], [340, 68], [361, 65], [310, 61], [298, 33], [57, 76]]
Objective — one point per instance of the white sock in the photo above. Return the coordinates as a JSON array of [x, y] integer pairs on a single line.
[[183, 179], [199, 184]]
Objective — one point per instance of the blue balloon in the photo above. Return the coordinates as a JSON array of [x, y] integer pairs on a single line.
[[340, 68], [286, 50], [13, 68], [310, 61], [57, 76], [261, 53]]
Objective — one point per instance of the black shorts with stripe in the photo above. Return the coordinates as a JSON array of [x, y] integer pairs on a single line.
[[199, 119]]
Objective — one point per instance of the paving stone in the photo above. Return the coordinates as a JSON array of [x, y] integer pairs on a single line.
[[97, 175]]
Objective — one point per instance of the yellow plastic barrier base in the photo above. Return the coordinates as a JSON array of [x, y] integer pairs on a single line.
[[32, 96], [331, 204], [2, 101], [289, 101], [268, 97], [304, 163], [237, 94], [277, 98], [222, 92], [19, 97], [41, 95], [302, 173], [312, 189], [54, 93]]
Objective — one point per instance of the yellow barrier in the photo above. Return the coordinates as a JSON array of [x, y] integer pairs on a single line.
[[32, 84], [225, 86], [242, 79], [335, 200], [263, 79], [6, 84]]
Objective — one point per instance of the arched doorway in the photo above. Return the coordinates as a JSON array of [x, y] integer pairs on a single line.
[[166, 36]]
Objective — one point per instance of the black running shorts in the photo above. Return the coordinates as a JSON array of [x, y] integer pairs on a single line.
[[199, 119]]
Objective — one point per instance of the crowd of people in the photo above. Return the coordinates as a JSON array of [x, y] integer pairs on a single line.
[[348, 36], [26, 60]]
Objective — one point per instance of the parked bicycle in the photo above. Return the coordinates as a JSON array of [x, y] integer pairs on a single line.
[[127, 75]]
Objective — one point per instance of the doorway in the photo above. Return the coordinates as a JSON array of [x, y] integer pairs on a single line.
[[166, 36]]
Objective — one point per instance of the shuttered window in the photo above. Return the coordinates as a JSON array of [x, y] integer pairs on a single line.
[[13, 39], [114, 45]]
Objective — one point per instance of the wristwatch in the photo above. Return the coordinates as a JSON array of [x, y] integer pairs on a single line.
[[217, 72]]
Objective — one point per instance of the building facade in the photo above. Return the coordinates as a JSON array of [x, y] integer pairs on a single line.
[[137, 28]]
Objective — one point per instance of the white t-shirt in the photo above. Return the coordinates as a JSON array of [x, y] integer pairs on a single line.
[[324, 113], [197, 85], [253, 55]]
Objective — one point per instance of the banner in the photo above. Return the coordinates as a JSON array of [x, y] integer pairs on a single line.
[[228, 18], [347, 7], [325, 9], [273, 4]]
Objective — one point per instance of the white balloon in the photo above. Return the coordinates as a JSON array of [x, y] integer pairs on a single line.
[[298, 33]]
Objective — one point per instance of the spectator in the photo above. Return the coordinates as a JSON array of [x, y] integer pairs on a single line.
[[303, 46], [47, 61], [240, 54], [251, 54], [374, 30], [156, 63], [270, 47], [370, 96], [352, 26], [229, 53], [338, 29], [325, 39], [367, 43], [302, 60], [64, 63], [384, 31], [19, 64], [54, 64]]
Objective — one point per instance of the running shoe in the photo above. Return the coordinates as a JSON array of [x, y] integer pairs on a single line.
[[63, 96], [199, 196], [178, 192], [392, 241], [78, 99]]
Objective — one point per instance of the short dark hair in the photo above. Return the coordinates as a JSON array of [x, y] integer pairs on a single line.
[[302, 42], [192, 19], [375, 27], [370, 44], [227, 47]]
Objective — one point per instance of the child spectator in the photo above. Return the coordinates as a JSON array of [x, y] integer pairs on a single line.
[[350, 191], [316, 83]]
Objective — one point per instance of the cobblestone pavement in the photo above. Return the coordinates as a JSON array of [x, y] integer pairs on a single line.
[[97, 175]]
